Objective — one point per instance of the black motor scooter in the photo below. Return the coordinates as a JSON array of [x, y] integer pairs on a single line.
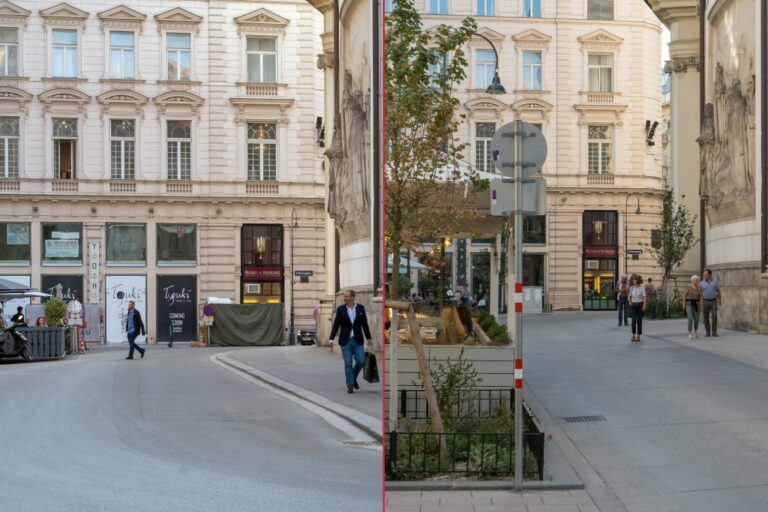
[[18, 346]]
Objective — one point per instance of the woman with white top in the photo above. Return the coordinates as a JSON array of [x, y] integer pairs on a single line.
[[638, 301]]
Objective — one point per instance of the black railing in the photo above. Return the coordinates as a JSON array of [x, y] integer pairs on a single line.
[[418, 454]]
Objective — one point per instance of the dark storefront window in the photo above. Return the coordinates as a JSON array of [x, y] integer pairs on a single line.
[[481, 275], [176, 244], [126, 244], [262, 261], [533, 270], [600, 260], [600, 228], [14, 243], [535, 229], [62, 243]]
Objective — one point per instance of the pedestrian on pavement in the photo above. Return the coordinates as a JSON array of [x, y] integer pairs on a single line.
[[18, 319], [622, 294], [133, 326], [710, 289], [650, 289], [638, 301], [693, 306], [351, 319]]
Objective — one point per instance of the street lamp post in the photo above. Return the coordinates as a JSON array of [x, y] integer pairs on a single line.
[[495, 86], [294, 225], [626, 217]]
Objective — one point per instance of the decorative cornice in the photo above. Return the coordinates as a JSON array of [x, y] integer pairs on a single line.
[[249, 108], [600, 113], [491, 34], [178, 18], [12, 94], [531, 105], [487, 103], [121, 17], [681, 64], [324, 6], [672, 11], [122, 97], [64, 14], [532, 39], [10, 11], [179, 98]]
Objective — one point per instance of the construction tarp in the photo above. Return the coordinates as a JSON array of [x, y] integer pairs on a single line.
[[238, 325]]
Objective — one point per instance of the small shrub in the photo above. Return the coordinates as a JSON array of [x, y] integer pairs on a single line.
[[55, 311]]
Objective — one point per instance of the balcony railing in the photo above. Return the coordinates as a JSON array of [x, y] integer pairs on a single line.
[[599, 97], [158, 188], [600, 179], [261, 90]]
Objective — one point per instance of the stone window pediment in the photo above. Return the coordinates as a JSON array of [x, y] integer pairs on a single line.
[[600, 114], [530, 105], [178, 19], [261, 108], [62, 95], [262, 20], [121, 16], [532, 40], [15, 99], [600, 40], [488, 105], [64, 14], [496, 37], [122, 98], [178, 99], [12, 14]]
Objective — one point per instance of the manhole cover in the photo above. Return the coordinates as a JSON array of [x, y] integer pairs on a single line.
[[352, 442], [584, 419]]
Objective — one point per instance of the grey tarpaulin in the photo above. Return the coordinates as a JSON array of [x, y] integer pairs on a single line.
[[246, 325]]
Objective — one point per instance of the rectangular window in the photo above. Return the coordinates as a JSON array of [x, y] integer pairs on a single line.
[[485, 65], [126, 244], [262, 260], [600, 228], [437, 67], [438, 6], [532, 8], [261, 53], [485, 8], [533, 270], [483, 137], [534, 229], [179, 51], [262, 151], [532, 71], [600, 9], [15, 248], [65, 53], [9, 147], [600, 68], [123, 148], [179, 150], [64, 148], [62, 243], [121, 55], [176, 244], [599, 150], [9, 52]]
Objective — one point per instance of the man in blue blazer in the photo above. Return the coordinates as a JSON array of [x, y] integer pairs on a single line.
[[351, 319]]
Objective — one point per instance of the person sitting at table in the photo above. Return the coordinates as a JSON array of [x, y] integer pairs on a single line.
[[41, 322]]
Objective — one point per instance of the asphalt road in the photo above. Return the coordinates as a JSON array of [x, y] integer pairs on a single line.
[[172, 432], [685, 429]]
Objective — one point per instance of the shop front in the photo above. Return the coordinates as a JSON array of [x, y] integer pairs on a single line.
[[262, 258], [600, 260]]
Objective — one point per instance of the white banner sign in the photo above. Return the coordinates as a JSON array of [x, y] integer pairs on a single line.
[[62, 248], [11, 305], [120, 290], [17, 234], [94, 256]]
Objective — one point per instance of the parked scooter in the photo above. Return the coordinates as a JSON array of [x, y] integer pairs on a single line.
[[18, 347]]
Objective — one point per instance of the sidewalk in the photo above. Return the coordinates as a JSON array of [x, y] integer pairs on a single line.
[[317, 375], [489, 501]]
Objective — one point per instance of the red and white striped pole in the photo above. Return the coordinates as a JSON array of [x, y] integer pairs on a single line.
[[518, 188]]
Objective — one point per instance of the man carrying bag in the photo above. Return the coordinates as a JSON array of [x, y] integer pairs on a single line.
[[353, 323]]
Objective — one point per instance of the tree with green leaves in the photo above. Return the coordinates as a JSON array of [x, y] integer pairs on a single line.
[[427, 184], [676, 238]]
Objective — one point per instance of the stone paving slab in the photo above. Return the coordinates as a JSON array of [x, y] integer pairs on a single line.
[[489, 501]]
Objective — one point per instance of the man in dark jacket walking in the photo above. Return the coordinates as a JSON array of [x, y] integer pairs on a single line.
[[351, 319], [133, 326]]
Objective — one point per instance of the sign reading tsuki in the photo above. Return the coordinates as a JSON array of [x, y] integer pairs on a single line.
[[176, 308], [119, 291]]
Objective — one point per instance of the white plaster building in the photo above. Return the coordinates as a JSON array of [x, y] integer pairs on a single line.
[[179, 136], [586, 71]]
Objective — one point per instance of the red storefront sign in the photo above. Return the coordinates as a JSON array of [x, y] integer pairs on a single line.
[[602, 251], [262, 274]]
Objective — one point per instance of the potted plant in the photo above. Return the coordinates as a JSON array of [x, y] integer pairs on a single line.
[[55, 345]]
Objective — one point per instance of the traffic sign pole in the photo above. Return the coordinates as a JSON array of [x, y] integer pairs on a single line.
[[518, 176]]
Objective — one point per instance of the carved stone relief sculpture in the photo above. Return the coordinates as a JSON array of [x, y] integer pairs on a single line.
[[727, 153]]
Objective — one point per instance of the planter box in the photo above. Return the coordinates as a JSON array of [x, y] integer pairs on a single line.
[[43, 342]]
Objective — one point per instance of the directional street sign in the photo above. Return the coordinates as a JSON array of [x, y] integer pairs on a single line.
[[533, 147]]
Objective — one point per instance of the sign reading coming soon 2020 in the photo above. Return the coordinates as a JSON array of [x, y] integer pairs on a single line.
[[119, 291], [176, 308]]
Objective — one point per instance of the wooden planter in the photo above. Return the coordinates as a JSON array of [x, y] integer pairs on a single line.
[[45, 342]]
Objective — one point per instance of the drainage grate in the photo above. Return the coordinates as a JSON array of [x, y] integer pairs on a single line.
[[584, 419], [352, 442]]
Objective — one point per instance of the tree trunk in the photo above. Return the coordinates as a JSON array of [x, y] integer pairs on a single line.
[[394, 284]]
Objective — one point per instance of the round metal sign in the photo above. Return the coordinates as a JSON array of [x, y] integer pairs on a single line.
[[208, 310], [533, 147]]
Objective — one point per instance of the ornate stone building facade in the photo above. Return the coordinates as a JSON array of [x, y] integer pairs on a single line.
[[723, 43], [163, 139], [587, 72]]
